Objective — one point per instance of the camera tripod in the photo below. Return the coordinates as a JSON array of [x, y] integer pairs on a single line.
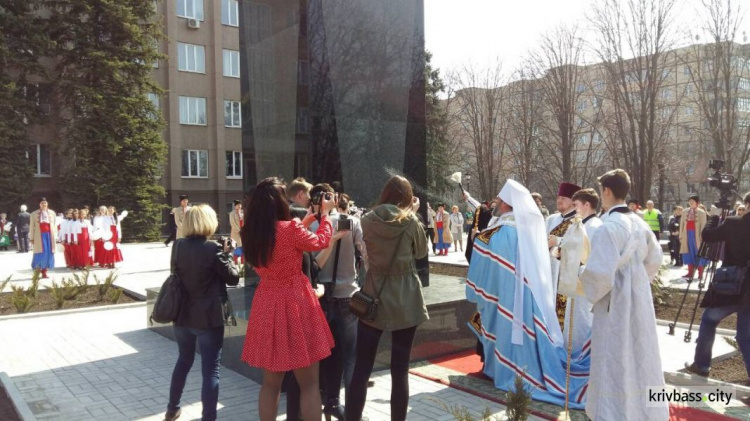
[[713, 252]]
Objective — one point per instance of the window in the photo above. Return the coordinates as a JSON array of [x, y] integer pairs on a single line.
[[743, 123], [688, 110], [744, 84], [599, 85], [665, 73], [580, 87], [232, 114], [579, 122], [666, 93], [154, 100], [583, 139], [41, 157], [598, 102], [303, 116], [191, 58], [581, 105], [686, 71], [598, 138], [191, 9], [743, 104], [195, 163], [192, 110], [231, 63], [155, 44], [688, 89], [229, 12], [234, 164]]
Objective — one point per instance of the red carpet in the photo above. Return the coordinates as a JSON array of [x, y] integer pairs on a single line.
[[468, 363]]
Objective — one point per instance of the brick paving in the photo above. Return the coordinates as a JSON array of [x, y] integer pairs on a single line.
[[105, 365]]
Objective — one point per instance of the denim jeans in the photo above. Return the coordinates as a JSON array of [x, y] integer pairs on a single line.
[[210, 342], [340, 364], [712, 316]]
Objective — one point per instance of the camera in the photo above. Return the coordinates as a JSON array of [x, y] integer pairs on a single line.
[[345, 224], [727, 184], [226, 243], [317, 198]]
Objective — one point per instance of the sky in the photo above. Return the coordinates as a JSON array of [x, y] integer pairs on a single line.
[[480, 31]]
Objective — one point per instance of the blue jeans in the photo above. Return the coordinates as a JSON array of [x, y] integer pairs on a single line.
[[707, 333], [340, 364], [210, 342]]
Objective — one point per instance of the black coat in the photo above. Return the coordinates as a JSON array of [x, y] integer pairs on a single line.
[[22, 222], [735, 232], [205, 270], [483, 215]]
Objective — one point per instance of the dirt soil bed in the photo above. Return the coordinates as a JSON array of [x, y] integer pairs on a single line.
[[45, 302], [449, 270], [731, 370], [7, 410], [668, 311]]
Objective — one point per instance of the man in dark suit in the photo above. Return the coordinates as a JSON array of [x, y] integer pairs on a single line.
[[734, 232], [22, 230]]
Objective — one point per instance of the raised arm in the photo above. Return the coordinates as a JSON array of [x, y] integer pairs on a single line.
[[307, 241]]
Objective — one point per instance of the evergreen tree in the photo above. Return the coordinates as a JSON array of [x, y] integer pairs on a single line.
[[20, 47], [110, 139], [438, 159]]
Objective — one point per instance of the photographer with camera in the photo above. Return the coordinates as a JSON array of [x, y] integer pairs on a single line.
[[338, 273], [729, 291]]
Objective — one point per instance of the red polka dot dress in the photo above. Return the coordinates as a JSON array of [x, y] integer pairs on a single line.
[[287, 329]]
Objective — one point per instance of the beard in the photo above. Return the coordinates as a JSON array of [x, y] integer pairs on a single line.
[[497, 212]]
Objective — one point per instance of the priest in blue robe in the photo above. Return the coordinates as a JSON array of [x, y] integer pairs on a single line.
[[510, 281]]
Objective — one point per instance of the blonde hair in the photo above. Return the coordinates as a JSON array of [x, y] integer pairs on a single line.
[[200, 220], [454, 207]]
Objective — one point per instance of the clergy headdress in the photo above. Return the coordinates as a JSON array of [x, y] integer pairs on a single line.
[[568, 190], [533, 261]]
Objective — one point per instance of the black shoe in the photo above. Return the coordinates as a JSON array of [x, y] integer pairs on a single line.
[[370, 383], [173, 415], [692, 368], [335, 411]]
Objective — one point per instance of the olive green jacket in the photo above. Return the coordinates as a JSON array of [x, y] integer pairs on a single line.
[[401, 303]]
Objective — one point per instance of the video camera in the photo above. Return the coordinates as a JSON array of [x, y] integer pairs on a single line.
[[727, 184], [344, 224]]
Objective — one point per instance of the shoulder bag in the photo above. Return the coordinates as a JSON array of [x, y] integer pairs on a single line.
[[728, 280], [364, 306], [171, 295]]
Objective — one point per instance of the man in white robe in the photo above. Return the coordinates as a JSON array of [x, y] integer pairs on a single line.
[[625, 362], [557, 225]]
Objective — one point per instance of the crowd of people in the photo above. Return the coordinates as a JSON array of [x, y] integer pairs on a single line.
[[313, 253], [86, 238]]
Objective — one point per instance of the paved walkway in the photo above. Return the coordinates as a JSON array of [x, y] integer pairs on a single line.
[[105, 364]]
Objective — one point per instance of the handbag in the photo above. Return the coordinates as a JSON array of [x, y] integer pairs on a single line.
[[728, 280], [171, 295], [228, 310], [364, 306]]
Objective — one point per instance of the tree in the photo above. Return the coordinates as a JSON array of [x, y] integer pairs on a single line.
[[720, 72], [558, 65], [110, 132], [20, 49], [440, 149], [526, 102], [634, 37], [480, 118]]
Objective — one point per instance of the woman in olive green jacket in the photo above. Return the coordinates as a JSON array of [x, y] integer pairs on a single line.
[[394, 238]]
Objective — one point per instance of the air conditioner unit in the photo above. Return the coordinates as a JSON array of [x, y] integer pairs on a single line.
[[194, 23]]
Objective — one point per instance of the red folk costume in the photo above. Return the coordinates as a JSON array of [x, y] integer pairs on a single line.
[[84, 255], [287, 329]]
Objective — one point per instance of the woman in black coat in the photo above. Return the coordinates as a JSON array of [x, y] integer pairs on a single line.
[[205, 269]]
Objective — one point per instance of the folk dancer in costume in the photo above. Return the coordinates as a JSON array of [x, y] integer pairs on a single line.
[[510, 281], [691, 228], [116, 228], [625, 363], [557, 225], [73, 237], [442, 223], [62, 234], [5, 230], [43, 233], [236, 221], [101, 228], [586, 202], [84, 253], [179, 215]]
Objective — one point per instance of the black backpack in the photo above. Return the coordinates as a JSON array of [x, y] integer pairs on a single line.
[[171, 295]]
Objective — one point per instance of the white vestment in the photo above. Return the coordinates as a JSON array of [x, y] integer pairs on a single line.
[[552, 222], [582, 315], [625, 359]]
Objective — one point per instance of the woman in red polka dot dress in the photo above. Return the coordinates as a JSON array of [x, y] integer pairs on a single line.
[[286, 330]]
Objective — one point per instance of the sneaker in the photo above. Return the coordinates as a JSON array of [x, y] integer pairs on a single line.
[[692, 368]]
